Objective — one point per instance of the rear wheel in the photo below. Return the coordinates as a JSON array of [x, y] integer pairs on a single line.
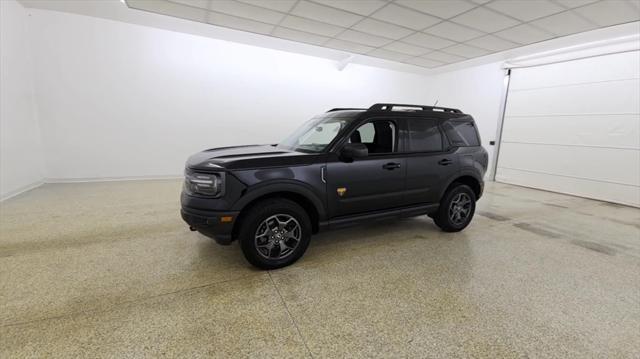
[[456, 208], [275, 233]]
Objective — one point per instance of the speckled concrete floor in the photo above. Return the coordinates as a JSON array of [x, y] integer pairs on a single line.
[[109, 270]]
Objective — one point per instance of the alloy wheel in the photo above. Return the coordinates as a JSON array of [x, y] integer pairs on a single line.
[[460, 208], [278, 236]]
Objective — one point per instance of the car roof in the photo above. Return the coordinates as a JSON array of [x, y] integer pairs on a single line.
[[400, 110]]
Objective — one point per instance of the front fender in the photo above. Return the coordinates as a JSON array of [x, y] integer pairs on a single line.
[[269, 187]]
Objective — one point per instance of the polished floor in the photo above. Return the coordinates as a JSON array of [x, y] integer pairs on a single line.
[[110, 270]]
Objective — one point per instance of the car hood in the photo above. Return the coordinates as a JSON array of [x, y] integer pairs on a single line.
[[245, 157]]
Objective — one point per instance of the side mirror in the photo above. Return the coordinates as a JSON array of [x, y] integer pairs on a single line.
[[351, 151]]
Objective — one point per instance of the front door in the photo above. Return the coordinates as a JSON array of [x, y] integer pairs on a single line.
[[371, 183]]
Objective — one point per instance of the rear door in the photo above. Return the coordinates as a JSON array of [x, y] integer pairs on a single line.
[[430, 164], [372, 183]]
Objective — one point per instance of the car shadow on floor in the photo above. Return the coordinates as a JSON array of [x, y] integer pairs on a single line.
[[334, 242]]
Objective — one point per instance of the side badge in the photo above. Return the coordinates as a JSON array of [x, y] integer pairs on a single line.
[[341, 191]]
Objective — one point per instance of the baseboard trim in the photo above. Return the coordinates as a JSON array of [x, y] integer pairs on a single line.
[[35, 185], [110, 179], [21, 190]]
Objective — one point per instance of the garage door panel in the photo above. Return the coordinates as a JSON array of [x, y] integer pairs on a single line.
[[592, 163], [574, 127], [621, 66], [629, 195], [615, 97], [616, 131]]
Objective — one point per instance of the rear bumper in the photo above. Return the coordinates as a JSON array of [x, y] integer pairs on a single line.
[[211, 223]]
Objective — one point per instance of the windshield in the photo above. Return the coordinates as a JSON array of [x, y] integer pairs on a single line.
[[314, 135]]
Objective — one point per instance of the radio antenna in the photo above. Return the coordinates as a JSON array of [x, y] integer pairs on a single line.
[[435, 103]]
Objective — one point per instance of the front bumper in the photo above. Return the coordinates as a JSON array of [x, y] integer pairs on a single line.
[[214, 224]]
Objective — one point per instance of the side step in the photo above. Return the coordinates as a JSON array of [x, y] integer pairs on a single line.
[[412, 211]]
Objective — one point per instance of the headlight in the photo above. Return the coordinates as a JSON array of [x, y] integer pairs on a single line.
[[205, 184]]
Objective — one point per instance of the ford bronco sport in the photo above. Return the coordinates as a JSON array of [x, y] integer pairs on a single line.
[[343, 167]]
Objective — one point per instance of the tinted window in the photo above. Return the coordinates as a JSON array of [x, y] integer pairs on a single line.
[[424, 136], [461, 133], [378, 136]]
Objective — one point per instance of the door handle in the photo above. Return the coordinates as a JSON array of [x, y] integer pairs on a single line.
[[391, 166], [445, 162]]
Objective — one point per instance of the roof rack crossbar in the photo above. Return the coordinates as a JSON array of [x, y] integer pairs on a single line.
[[345, 109], [390, 106]]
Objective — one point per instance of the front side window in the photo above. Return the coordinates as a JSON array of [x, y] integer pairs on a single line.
[[315, 135], [461, 133], [378, 136], [424, 136]]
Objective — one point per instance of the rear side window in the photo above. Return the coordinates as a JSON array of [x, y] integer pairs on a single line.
[[461, 133], [424, 136]]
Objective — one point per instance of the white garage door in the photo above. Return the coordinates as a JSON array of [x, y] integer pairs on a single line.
[[574, 127]]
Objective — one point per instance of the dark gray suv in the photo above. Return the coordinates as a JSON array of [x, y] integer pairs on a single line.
[[344, 167]]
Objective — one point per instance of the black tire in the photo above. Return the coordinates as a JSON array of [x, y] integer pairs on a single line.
[[256, 219], [446, 217]]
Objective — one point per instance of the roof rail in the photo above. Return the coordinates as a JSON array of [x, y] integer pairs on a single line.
[[345, 109], [390, 106]]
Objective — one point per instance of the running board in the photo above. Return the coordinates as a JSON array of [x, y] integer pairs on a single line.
[[347, 221]]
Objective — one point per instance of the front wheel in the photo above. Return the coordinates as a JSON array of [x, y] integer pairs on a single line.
[[456, 208], [275, 233]]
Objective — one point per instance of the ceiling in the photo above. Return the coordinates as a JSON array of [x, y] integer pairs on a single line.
[[425, 33]]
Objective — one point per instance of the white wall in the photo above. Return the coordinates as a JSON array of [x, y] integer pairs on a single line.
[[477, 91], [123, 100], [21, 164]]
